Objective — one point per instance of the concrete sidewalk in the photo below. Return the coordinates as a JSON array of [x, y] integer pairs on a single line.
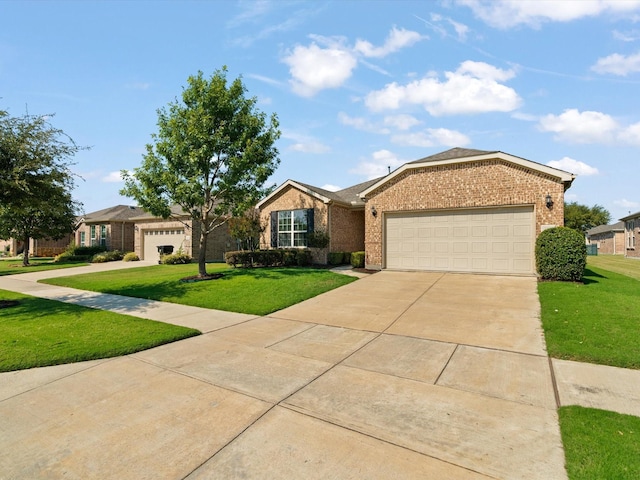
[[394, 376]]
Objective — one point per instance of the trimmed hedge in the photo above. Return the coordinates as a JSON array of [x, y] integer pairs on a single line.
[[357, 259], [561, 254], [131, 257], [70, 257], [339, 258], [269, 258], [89, 251]]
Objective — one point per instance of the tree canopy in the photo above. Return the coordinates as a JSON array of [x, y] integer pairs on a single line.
[[582, 218], [36, 180], [212, 155]]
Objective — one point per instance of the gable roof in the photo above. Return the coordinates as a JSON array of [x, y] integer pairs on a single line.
[[630, 217], [349, 196], [118, 213], [464, 155], [614, 227]]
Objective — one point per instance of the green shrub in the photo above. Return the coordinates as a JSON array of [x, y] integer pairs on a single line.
[[347, 258], [99, 258], [89, 251], [336, 258], [131, 257], [177, 258], [70, 257], [304, 258], [318, 239], [561, 254], [289, 258], [357, 259]]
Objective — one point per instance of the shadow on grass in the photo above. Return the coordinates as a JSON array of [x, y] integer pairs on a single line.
[[590, 277]]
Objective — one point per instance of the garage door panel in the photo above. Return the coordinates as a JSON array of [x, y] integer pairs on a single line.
[[498, 240]]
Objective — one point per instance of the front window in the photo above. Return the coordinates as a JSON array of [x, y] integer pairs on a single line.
[[292, 228], [103, 235], [93, 235], [631, 239], [82, 239]]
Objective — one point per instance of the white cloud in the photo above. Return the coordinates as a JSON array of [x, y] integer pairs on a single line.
[[510, 13], [630, 36], [473, 88], [631, 134], [432, 137], [402, 121], [310, 146], [624, 203], [617, 64], [573, 166], [580, 127], [328, 62], [314, 68], [138, 86], [398, 38], [113, 177], [362, 124], [331, 188], [378, 165]]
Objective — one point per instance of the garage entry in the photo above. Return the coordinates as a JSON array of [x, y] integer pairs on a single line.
[[154, 238], [496, 240]]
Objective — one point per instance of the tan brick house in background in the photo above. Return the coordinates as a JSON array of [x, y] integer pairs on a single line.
[[461, 210], [632, 235], [112, 228], [610, 239]]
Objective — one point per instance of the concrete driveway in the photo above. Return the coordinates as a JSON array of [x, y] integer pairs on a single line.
[[397, 375]]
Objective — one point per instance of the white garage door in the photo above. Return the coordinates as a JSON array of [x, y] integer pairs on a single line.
[[154, 238], [498, 240]]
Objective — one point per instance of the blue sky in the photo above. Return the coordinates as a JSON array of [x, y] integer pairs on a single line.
[[358, 86]]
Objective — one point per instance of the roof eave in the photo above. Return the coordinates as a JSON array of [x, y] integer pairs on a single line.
[[294, 184]]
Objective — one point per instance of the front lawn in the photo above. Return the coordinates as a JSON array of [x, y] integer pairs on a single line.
[[616, 263], [599, 444], [597, 321], [14, 266], [258, 291], [39, 332]]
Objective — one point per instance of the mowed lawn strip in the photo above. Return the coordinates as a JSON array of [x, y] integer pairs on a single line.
[[616, 263], [257, 291], [39, 332], [597, 321], [14, 266], [599, 444]]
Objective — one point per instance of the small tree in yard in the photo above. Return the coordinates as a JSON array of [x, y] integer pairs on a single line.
[[582, 218], [212, 155], [35, 185], [246, 229]]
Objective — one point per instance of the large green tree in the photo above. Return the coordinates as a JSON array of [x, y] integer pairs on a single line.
[[582, 217], [212, 155], [36, 179]]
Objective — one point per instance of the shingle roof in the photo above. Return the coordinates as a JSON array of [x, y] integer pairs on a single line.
[[629, 217], [619, 226], [119, 213], [349, 195], [456, 152]]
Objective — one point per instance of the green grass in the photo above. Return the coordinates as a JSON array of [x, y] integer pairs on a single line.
[[259, 291], [616, 263], [39, 332], [599, 444], [595, 322], [14, 265]]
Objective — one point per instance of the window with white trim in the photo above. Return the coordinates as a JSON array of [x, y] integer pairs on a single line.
[[293, 226], [631, 239]]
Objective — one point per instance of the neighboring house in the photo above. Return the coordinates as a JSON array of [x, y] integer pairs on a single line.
[[131, 229], [461, 210], [179, 233], [632, 235], [111, 227], [44, 247], [608, 238]]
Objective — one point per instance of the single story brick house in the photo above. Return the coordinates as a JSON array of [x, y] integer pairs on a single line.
[[632, 235], [44, 247], [462, 210], [609, 238], [131, 229]]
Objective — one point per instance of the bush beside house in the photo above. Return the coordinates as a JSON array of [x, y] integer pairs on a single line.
[[561, 254]]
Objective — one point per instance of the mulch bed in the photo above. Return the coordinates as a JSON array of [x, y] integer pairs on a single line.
[[198, 278]]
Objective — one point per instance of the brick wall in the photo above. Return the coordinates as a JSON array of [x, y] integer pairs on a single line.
[[121, 236], [484, 183], [347, 229], [219, 242], [292, 199], [633, 250], [609, 243]]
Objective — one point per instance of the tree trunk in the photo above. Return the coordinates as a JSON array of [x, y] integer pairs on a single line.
[[202, 254], [25, 253]]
